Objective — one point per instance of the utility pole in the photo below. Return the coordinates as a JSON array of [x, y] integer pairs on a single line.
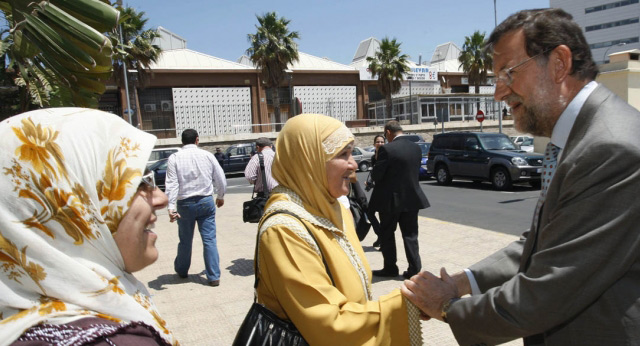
[[124, 71], [495, 18]]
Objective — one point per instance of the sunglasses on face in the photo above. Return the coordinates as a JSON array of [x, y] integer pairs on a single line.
[[148, 181]]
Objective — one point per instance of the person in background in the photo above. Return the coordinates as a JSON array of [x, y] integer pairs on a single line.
[[398, 197], [359, 206], [312, 164], [219, 156], [192, 174], [574, 276], [378, 141], [77, 218], [253, 173]]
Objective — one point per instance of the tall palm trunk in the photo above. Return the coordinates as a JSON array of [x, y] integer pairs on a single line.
[[389, 105], [276, 108]]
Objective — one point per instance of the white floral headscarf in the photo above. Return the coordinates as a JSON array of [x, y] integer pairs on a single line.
[[68, 177]]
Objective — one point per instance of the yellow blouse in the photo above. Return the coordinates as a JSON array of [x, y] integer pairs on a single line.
[[294, 283]]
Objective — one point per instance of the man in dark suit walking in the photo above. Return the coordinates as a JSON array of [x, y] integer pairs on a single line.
[[398, 197]]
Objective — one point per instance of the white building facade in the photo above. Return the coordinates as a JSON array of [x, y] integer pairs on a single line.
[[609, 25]]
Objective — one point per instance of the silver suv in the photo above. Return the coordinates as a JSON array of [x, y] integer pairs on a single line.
[[480, 156]]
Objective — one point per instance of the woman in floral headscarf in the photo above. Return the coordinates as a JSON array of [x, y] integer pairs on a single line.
[[76, 218], [312, 164]]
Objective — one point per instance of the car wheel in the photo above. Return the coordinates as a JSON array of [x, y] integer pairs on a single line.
[[442, 175], [364, 166], [500, 179]]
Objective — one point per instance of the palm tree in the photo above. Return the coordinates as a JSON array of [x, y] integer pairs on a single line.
[[136, 50], [272, 50], [474, 60], [59, 45], [390, 66]]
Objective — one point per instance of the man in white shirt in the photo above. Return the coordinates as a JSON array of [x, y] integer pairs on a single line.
[[574, 277], [192, 174], [253, 173]]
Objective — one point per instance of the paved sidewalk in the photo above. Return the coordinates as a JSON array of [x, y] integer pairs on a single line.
[[202, 315]]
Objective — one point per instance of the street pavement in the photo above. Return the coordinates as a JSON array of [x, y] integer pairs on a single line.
[[199, 314]]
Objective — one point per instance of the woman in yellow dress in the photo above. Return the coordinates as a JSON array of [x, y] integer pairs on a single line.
[[312, 164], [77, 212]]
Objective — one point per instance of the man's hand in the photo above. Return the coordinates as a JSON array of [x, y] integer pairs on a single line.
[[219, 202], [173, 215], [429, 292]]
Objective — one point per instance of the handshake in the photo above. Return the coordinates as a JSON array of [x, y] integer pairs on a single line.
[[431, 293]]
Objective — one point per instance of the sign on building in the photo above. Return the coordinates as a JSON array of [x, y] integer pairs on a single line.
[[423, 73]]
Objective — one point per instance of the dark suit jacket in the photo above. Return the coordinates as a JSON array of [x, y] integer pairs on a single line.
[[575, 280], [397, 186]]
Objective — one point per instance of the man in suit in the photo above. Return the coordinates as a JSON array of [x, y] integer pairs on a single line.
[[574, 277], [398, 197]]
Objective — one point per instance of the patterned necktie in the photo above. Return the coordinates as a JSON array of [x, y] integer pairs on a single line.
[[549, 168]]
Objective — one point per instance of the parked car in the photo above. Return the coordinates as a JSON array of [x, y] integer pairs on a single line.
[[160, 153], [519, 139], [363, 158], [424, 173], [237, 156], [371, 149], [527, 145], [412, 137], [480, 156], [159, 169]]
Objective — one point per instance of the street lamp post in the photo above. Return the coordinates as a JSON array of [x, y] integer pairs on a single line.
[[604, 57], [124, 71], [289, 78], [411, 100], [495, 13]]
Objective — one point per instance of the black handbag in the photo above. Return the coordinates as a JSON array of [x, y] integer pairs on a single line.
[[358, 210], [252, 210], [263, 327]]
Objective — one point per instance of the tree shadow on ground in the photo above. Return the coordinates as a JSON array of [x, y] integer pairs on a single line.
[[241, 267]]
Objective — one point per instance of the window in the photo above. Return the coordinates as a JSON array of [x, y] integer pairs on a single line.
[[611, 24], [615, 42], [609, 6], [356, 151]]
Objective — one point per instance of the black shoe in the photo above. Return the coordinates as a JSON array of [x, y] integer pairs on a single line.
[[182, 276], [214, 283], [408, 275], [376, 244], [385, 273]]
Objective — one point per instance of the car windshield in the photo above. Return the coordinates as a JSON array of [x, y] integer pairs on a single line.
[[527, 142], [497, 143], [162, 164], [425, 148]]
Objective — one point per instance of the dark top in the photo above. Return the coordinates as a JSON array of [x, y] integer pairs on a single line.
[[92, 331], [396, 178]]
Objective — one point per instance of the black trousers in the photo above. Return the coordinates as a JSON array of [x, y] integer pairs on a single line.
[[373, 220], [408, 221]]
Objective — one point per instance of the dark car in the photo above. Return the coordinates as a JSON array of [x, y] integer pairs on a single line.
[[237, 156], [480, 156], [412, 137], [424, 147], [159, 169]]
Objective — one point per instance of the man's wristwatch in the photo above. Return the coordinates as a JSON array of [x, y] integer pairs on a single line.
[[445, 308]]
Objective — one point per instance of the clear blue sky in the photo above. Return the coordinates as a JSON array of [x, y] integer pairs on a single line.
[[329, 28]]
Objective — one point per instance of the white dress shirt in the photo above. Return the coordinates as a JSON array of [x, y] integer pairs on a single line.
[[559, 137], [253, 169], [193, 172]]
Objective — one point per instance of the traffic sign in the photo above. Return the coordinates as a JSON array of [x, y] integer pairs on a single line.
[[480, 116]]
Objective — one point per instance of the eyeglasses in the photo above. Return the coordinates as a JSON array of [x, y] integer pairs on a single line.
[[148, 181], [505, 76]]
